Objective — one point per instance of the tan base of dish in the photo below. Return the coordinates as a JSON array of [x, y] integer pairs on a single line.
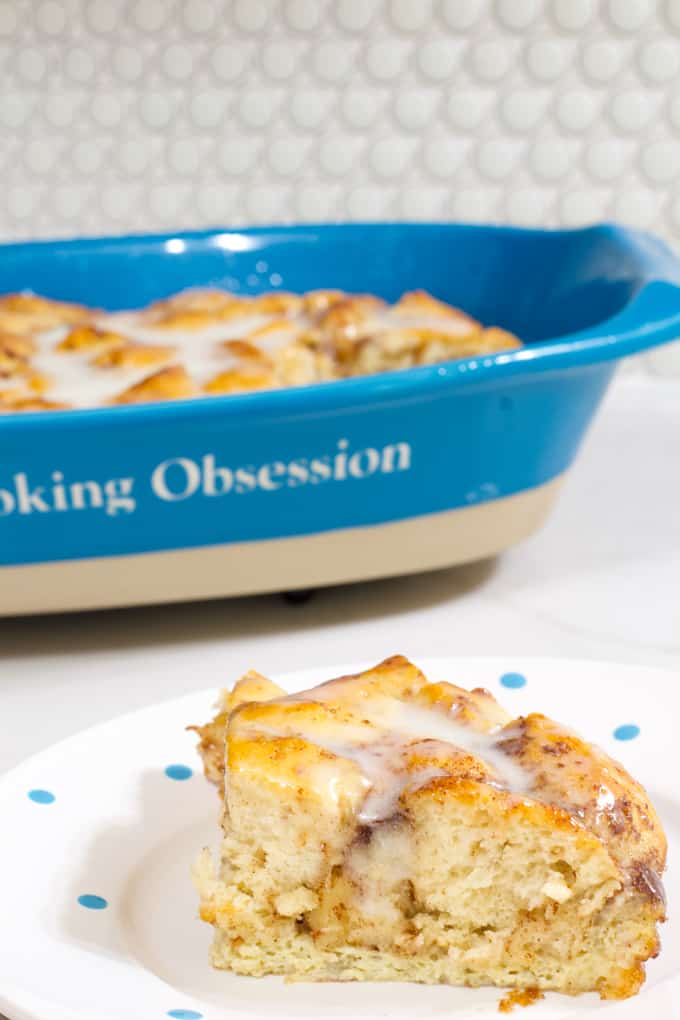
[[245, 568]]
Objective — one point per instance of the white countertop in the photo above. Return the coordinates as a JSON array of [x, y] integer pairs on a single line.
[[601, 581]]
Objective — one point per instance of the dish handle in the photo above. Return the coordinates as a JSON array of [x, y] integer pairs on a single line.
[[652, 317]]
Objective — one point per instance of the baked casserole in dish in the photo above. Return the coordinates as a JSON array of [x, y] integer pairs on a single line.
[[375, 399]]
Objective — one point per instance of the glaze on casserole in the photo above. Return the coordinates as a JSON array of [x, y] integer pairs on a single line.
[[55, 355]]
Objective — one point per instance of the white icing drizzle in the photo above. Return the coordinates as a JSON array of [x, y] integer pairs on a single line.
[[77, 382], [381, 750]]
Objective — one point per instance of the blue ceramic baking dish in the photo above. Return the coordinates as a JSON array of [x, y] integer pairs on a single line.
[[381, 475]]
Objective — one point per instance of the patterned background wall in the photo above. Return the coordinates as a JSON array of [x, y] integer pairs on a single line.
[[119, 115]]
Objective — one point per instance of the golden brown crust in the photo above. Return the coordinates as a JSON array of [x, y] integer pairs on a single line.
[[246, 349], [570, 783], [197, 310], [271, 340], [239, 381], [519, 997], [278, 303], [17, 346], [496, 339], [194, 299], [131, 354], [251, 687], [172, 383], [345, 317], [417, 302], [30, 313], [316, 302], [90, 338], [597, 791]]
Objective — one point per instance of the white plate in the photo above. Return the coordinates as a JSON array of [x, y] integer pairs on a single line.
[[119, 828]]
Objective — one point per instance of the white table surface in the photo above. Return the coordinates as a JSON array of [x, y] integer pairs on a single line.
[[601, 581]]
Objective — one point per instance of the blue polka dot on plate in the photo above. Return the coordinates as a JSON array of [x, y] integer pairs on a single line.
[[92, 902], [41, 796], [513, 680], [628, 731], [185, 1014], [179, 772]]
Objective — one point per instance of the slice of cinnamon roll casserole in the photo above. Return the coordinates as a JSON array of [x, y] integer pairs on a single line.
[[384, 827]]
